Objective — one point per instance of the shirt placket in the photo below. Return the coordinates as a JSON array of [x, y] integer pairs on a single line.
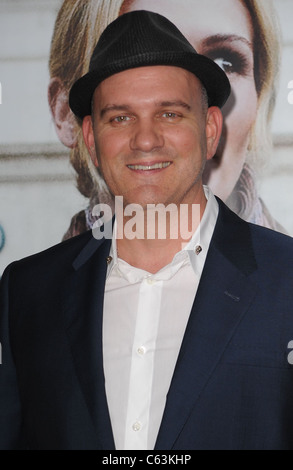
[[142, 364]]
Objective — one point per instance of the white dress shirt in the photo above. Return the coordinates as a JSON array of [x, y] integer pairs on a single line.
[[145, 316]]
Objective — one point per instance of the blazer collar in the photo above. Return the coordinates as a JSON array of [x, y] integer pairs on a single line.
[[232, 237]]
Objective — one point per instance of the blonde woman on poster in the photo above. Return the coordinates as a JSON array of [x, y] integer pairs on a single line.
[[242, 36]]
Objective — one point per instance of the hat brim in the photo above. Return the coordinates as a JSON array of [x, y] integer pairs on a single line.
[[210, 74]]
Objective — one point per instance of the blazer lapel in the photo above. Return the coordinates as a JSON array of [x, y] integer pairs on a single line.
[[223, 297], [83, 312]]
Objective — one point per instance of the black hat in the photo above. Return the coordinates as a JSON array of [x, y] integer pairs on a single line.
[[143, 38]]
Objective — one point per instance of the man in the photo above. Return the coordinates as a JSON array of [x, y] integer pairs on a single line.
[[151, 342]]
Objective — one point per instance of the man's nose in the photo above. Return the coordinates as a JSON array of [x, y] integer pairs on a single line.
[[147, 136]]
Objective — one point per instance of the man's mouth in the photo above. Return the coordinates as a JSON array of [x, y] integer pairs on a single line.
[[155, 166]]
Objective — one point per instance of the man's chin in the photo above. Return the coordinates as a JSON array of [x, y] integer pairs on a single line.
[[143, 198]]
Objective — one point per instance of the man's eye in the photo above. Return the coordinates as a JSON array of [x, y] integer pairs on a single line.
[[121, 118], [170, 115]]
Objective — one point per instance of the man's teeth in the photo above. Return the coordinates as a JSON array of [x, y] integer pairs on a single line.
[[156, 166]]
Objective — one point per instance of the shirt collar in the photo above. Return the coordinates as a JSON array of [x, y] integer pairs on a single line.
[[199, 244], [194, 252]]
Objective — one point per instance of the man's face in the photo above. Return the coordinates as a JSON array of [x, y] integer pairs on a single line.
[[150, 135]]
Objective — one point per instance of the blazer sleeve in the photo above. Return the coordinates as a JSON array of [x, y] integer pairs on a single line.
[[10, 409]]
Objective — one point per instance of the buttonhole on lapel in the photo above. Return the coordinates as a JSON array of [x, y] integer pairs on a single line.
[[234, 297]]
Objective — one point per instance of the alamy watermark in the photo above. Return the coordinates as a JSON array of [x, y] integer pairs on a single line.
[[154, 221]]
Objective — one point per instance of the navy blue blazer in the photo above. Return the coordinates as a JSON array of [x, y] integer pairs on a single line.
[[232, 387]]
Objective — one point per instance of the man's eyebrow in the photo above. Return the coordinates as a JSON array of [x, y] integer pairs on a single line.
[[222, 38], [114, 107], [161, 104], [177, 103]]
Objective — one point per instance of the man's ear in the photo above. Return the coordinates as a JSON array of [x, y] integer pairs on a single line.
[[214, 123], [89, 139], [63, 117]]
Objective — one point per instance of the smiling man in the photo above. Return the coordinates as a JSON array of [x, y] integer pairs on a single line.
[[151, 147], [141, 343]]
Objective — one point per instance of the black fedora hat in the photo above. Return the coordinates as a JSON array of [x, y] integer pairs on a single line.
[[143, 38]]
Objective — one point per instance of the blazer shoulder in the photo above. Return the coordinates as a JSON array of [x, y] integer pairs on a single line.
[[62, 253], [273, 245], [229, 220], [249, 245]]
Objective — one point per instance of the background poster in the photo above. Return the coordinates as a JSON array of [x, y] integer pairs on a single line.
[[38, 189]]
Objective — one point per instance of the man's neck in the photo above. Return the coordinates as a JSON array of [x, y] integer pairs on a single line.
[[158, 237], [149, 255]]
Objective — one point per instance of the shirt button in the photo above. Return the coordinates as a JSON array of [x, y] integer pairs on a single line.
[[136, 426], [150, 281], [141, 351]]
